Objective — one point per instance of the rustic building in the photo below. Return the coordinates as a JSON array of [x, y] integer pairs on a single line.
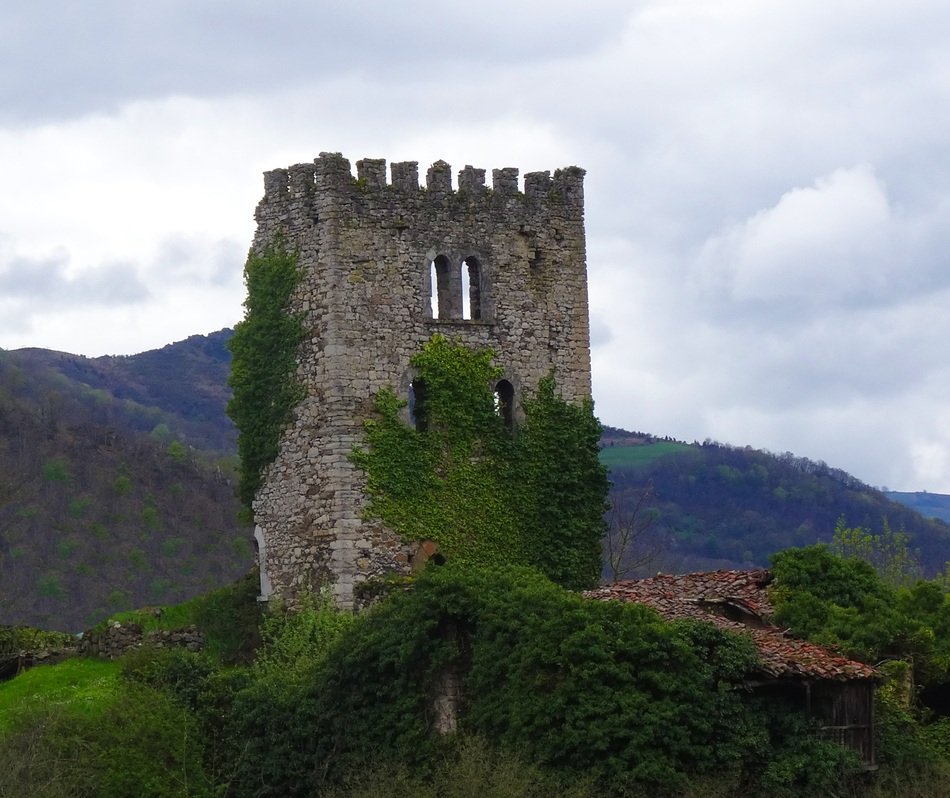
[[387, 264], [835, 690]]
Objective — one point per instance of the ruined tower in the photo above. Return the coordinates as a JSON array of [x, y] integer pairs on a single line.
[[385, 265]]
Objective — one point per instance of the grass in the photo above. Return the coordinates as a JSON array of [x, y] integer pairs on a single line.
[[81, 684], [639, 456]]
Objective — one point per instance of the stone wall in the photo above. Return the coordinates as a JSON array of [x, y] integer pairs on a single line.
[[116, 638], [368, 249]]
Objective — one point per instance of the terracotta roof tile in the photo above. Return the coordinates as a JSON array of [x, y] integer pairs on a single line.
[[738, 601]]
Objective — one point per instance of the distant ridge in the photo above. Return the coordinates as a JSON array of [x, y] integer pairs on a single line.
[[929, 505]]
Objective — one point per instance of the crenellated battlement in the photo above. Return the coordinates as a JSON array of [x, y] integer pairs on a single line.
[[331, 172], [387, 258]]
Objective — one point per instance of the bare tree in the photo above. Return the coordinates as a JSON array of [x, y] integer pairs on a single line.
[[632, 540]]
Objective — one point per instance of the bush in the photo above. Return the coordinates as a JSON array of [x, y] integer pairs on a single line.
[[138, 743], [575, 687], [293, 643]]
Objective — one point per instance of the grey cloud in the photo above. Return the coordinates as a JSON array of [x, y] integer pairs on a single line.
[[192, 259], [45, 281], [76, 59]]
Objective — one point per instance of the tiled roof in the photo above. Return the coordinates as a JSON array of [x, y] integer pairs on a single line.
[[737, 601]]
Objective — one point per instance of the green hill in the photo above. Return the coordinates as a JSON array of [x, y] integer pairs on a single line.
[[712, 505]]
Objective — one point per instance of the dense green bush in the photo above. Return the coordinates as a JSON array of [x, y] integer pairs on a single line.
[[581, 688], [845, 603], [576, 697]]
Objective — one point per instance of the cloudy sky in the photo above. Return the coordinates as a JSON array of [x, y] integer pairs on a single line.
[[768, 187]]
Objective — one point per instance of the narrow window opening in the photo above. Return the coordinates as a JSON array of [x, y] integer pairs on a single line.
[[505, 402], [441, 279], [417, 405], [466, 294], [472, 288]]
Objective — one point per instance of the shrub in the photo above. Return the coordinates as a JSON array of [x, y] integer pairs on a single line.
[[572, 686], [469, 767], [137, 743], [293, 643]]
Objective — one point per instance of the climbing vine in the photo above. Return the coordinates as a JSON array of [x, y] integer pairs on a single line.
[[263, 360], [488, 495]]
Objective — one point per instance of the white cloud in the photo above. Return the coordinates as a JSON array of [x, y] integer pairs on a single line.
[[817, 245]]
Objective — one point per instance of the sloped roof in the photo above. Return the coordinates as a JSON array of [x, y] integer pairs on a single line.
[[737, 601]]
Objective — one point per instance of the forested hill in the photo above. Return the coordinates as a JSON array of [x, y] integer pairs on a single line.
[[714, 505], [105, 503], [180, 389]]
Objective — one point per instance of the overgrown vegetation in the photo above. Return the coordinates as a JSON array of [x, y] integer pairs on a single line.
[[488, 494], [560, 695], [263, 362], [847, 604], [882, 617], [228, 618]]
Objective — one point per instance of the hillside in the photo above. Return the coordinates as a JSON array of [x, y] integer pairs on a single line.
[[180, 390], [102, 506], [929, 505], [712, 505]]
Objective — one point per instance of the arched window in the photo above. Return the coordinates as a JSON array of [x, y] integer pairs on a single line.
[[505, 402], [471, 289], [446, 290], [417, 405]]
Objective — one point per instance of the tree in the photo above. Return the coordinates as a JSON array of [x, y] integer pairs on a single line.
[[888, 552], [632, 542]]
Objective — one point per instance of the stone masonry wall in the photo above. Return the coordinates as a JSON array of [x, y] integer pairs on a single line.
[[367, 247]]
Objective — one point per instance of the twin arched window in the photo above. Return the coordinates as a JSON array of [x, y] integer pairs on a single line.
[[456, 288]]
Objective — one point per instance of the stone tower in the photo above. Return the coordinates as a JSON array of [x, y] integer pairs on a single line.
[[385, 266]]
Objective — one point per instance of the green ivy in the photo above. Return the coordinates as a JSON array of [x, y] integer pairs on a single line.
[[263, 362], [488, 495]]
